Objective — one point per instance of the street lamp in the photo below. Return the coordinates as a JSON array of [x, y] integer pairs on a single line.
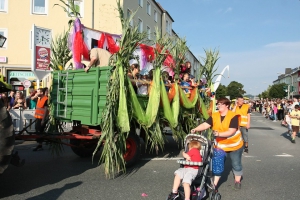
[[289, 85]]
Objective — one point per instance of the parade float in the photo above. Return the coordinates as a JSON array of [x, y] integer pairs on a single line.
[[105, 111]]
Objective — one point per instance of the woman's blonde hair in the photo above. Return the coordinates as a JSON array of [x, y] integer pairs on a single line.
[[195, 144]]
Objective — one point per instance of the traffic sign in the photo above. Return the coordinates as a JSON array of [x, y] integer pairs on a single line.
[[27, 83]]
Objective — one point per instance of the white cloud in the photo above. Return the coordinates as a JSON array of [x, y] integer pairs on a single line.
[[228, 10], [257, 69]]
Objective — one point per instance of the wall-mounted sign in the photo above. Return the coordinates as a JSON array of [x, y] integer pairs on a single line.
[[41, 43], [21, 74], [42, 56], [27, 83], [3, 59]]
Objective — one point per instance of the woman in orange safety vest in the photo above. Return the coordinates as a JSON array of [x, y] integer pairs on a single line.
[[225, 126]]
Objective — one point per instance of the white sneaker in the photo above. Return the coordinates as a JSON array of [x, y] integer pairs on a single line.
[[274, 121]]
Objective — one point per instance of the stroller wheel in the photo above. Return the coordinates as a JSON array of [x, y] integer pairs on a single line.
[[217, 196], [214, 196]]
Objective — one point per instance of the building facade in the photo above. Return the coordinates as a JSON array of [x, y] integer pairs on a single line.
[[18, 17], [290, 77]]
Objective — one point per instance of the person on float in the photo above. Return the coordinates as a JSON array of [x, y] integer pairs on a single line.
[[228, 137], [98, 58]]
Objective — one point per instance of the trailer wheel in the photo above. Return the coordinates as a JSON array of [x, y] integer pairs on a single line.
[[133, 149], [7, 138], [83, 148]]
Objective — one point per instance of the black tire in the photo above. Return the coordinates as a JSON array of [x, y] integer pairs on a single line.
[[217, 196], [83, 148], [7, 138], [133, 149]]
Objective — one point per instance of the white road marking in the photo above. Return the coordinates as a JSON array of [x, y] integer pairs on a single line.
[[284, 155], [250, 156]]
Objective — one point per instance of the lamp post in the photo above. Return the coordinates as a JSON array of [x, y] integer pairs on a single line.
[[292, 83]]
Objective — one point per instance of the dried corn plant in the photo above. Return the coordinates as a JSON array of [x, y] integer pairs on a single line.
[[115, 123], [208, 70], [60, 53]]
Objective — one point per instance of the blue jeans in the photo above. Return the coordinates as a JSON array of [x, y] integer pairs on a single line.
[[275, 116], [236, 161]]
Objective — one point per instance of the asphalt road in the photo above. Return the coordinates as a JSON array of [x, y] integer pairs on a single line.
[[270, 172]]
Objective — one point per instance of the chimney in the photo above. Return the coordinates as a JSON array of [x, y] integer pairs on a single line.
[[288, 70]]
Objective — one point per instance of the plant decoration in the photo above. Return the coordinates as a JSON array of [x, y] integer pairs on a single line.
[[71, 9], [60, 53], [116, 116], [207, 70]]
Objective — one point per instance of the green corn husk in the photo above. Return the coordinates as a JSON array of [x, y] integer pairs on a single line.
[[122, 117], [186, 102], [171, 114], [138, 111], [154, 98], [203, 109], [147, 118]]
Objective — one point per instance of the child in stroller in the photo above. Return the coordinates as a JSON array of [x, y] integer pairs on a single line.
[[188, 173]]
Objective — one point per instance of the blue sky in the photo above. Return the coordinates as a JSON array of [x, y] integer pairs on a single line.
[[256, 38]]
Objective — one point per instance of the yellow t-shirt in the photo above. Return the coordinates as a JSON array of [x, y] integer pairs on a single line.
[[295, 121]]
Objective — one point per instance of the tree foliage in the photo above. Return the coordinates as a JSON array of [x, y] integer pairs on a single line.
[[221, 91], [277, 91], [235, 89]]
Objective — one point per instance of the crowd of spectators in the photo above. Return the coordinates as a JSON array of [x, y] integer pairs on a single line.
[[17, 99]]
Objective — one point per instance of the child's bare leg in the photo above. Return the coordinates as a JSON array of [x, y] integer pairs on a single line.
[[187, 190], [176, 183]]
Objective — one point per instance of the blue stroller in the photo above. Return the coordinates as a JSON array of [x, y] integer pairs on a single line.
[[201, 186]]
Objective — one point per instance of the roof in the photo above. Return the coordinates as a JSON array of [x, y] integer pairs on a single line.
[[163, 10]]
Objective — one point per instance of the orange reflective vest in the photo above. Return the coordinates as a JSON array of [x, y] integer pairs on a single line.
[[243, 112], [39, 111], [231, 143]]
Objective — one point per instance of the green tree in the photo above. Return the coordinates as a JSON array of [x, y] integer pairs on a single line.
[[277, 91], [221, 91], [235, 89]]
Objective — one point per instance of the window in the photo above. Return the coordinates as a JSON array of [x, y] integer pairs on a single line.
[[148, 32], [141, 3], [3, 32], [148, 8], [167, 26], [39, 6], [129, 13], [155, 15], [79, 6], [3, 5], [140, 25]]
